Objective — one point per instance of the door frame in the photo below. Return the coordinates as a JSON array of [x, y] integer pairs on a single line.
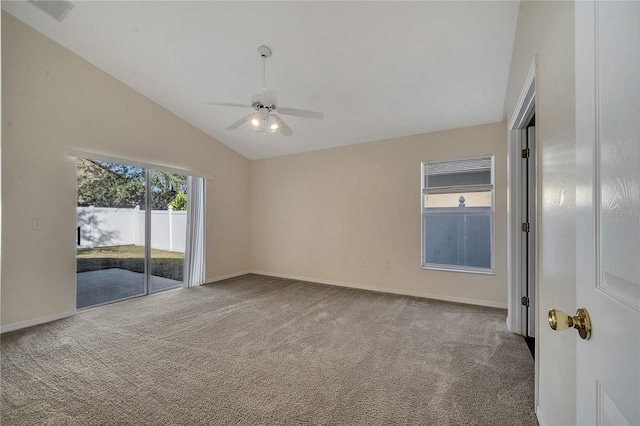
[[75, 154], [516, 132], [524, 111], [529, 205]]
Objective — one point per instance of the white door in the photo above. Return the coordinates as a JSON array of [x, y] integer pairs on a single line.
[[608, 210]]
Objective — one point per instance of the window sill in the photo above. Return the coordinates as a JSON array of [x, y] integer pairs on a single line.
[[466, 271]]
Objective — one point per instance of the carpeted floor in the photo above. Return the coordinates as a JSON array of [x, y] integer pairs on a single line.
[[259, 350]]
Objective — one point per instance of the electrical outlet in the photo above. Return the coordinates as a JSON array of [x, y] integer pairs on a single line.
[[36, 224], [364, 263], [239, 253], [387, 264]]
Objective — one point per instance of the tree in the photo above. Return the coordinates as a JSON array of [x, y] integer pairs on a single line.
[[180, 202], [107, 184], [164, 189]]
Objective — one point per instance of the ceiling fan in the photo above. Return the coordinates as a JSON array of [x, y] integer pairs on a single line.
[[265, 105]]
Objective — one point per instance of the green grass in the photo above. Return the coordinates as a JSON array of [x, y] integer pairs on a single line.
[[168, 264]]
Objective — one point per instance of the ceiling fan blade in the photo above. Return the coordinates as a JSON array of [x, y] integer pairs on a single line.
[[301, 113], [228, 104], [282, 126], [240, 122]]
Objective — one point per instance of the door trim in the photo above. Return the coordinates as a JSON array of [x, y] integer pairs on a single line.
[[540, 416], [523, 112], [525, 108]]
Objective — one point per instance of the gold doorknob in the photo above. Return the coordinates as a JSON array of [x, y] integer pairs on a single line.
[[558, 320]]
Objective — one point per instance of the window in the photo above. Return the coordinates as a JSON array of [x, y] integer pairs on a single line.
[[457, 215]]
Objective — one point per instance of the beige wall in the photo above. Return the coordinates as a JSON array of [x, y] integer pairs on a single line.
[[547, 29], [52, 101], [318, 215]]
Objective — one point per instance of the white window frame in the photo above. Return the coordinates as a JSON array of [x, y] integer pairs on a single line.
[[424, 212]]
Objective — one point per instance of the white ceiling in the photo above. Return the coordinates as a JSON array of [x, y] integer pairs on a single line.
[[376, 69]]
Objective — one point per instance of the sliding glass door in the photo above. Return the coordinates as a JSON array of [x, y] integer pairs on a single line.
[[168, 229], [131, 231], [110, 241]]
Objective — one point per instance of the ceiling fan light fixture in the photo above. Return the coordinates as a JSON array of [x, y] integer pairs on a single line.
[[273, 124], [264, 123]]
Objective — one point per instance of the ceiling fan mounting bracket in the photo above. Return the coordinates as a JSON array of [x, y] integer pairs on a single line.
[[264, 51]]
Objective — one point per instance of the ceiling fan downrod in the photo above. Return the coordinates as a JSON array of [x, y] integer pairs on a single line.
[[265, 52]]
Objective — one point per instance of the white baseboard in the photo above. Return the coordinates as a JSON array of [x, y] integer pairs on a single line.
[[387, 290], [226, 277], [35, 321], [540, 417], [42, 320]]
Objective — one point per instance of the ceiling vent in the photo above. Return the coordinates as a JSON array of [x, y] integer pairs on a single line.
[[56, 9]]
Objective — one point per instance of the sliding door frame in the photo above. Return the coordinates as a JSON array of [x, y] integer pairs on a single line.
[[147, 232], [148, 168]]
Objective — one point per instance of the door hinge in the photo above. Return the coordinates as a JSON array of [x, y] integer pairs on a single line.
[[526, 153], [525, 301], [526, 227]]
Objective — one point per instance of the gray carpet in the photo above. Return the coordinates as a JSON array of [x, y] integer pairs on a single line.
[[259, 350]]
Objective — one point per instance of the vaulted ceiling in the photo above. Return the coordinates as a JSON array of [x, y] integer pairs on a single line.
[[376, 69]]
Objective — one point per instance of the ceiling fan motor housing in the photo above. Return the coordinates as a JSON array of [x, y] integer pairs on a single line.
[[266, 99]]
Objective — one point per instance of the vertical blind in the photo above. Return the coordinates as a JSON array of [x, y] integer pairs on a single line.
[[194, 259]]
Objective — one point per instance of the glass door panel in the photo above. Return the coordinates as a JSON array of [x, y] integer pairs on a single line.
[[110, 232], [168, 230]]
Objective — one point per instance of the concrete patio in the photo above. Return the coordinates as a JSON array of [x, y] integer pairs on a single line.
[[109, 285]]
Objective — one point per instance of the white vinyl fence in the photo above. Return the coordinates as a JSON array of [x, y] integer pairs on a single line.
[[107, 227]]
